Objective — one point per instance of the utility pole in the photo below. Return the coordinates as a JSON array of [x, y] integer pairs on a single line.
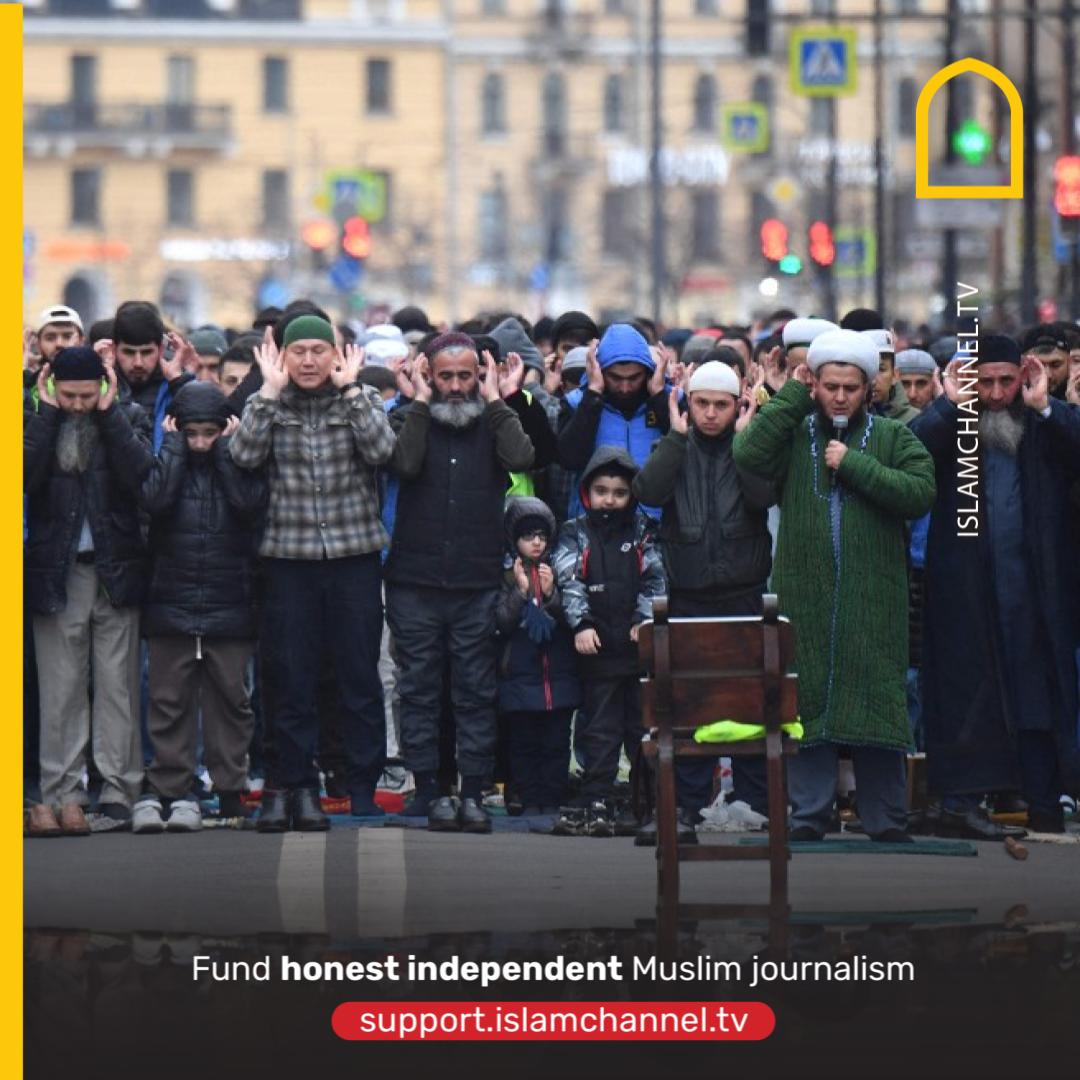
[[879, 161], [656, 180], [1030, 273], [997, 238], [950, 270], [1068, 144]]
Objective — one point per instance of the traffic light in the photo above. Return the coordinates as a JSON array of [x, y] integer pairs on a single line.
[[355, 238], [1067, 186], [773, 239], [790, 264], [822, 248], [318, 234]]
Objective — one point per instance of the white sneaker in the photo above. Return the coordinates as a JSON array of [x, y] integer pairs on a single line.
[[146, 815], [184, 816]]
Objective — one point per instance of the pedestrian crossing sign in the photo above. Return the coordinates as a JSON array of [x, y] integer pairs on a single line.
[[745, 126], [822, 61]]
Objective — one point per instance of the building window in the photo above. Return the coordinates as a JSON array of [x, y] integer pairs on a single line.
[[275, 84], [493, 105], [180, 208], [705, 104], [906, 97], [554, 110], [85, 196], [275, 198], [378, 86], [616, 238], [614, 106], [494, 224], [614, 7], [706, 7], [907, 7], [84, 71], [706, 224], [757, 27], [179, 80], [821, 114], [492, 7]]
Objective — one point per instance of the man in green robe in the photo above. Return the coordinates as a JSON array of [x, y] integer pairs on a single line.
[[847, 481]]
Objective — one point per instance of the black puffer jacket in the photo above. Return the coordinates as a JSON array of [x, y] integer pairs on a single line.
[[205, 513], [106, 494]]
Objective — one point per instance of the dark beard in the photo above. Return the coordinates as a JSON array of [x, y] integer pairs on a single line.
[[76, 442], [1003, 429], [457, 414], [854, 420]]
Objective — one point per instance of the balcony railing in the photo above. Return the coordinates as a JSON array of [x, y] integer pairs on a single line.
[[69, 125]]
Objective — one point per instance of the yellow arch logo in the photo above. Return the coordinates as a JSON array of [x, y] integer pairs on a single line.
[[1015, 187]]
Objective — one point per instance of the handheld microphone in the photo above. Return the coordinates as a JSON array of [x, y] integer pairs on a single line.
[[840, 427]]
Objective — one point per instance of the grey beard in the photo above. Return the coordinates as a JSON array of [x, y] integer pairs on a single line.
[[457, 414], [76, 442], [1002, 430]]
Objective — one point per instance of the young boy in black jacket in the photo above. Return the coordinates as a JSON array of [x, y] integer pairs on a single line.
[[538, 679], [608, 570], [199, 615]]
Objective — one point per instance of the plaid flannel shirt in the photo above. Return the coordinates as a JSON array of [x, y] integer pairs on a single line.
[[321, 452]]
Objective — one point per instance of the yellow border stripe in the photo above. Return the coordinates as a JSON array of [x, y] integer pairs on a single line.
[[11, 292]]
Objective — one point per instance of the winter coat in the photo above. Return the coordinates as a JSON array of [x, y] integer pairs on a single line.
[[841, 562], [609, 571], [896, 406], [714, 532], [969, 730], [205, 513], [105, 494], [533, 677]]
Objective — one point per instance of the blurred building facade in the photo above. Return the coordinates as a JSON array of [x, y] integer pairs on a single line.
[[187, 151]]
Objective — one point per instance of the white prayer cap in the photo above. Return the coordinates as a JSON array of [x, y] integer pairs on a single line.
[[799, 333], [383, 351], [844, 347], [715, 376], [384, 331], [883, 339], [915, 362]]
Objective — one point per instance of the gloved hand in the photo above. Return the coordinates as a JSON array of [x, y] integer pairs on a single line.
[[539, 625]]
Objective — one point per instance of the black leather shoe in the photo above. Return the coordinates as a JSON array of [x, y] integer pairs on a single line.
[[804, 834], [473, 817], [1049, 821], [893, 836], [442, 815], [685, 833], [973, 824], [275, 813], [1008, 802], [626, 822], [307, 814]]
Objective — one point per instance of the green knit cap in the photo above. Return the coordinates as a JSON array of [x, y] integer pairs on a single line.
[[308, 328]]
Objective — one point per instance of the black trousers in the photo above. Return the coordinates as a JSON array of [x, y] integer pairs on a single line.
[[430, 626], [539, 753], [313, 610], [614, 709], [694, 776]]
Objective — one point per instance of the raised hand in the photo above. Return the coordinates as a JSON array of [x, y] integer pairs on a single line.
[[936, 383], [510, 381], [272, 366], [802, 374], [29, 354], [185, 358], [656, 379], [44, 393], [489, 387], [402, 369], [593, 375], [230, 426], [1072, 391], [421, 388], [547, 579], [168, 425], [775, 372], [106, 400], [1035, 385], [347, 366], [748, 407], [951, 383], [552, 373], [521, 579], [677, 419], [106, 349]]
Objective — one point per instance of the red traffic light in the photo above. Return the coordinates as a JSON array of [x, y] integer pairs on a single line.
[[355, 238], [822, 248], [1067, 189], [318, 234], [773, 239]]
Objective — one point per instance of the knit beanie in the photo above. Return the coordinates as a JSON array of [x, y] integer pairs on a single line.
[[453, 339], [308, 328], [511, 337], [77, 363], [199, 402]]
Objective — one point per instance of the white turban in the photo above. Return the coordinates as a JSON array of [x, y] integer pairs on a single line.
[[883, 339], [844, 347], [715, 376], [799, 333]]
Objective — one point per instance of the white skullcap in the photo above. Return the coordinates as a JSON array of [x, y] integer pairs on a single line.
[[915, 362], [883, 339], [799, 333], [383, 351], [715, 376], [385, 331], [844, 347]]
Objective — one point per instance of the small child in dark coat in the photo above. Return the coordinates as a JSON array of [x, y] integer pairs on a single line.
[[199, 614], [538, 681]]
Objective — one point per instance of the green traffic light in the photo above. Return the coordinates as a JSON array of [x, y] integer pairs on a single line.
[[972, 142], [790, 264]]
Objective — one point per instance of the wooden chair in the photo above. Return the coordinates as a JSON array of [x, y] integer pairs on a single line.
[[700, 671]]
